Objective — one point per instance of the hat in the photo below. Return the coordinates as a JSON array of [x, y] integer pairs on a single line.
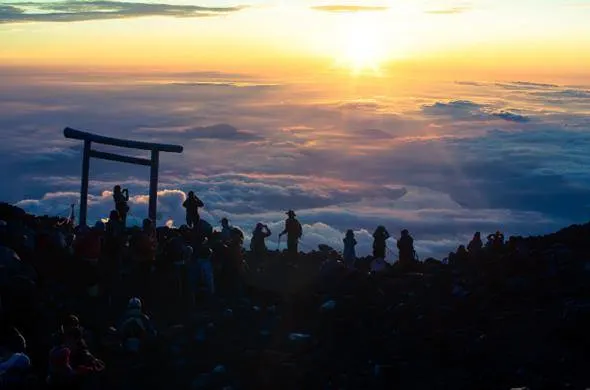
[[290, 212]]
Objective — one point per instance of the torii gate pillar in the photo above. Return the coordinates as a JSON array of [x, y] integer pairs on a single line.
[[153, 163]]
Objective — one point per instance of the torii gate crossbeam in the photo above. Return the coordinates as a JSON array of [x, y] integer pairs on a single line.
[[153, 163]]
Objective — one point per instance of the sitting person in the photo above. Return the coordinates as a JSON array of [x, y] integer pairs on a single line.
[[70, 362], [135, 327]]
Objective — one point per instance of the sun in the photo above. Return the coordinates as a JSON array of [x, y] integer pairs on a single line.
[[363, 45]]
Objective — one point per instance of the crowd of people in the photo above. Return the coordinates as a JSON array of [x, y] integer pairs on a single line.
[[72, 293]]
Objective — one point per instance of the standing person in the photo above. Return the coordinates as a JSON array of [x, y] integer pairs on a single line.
[[226, 230], [257, 244], [294, 231], [349, 252], [192, 204], [380, 237], [121, 198], [236, 265], [475, 245], [405, 244]]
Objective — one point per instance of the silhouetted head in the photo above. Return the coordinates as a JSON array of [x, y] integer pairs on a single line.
[[224, 222], [237, 236], [99, 226], [70, 322], [147, 224], [259, 226], [405, 232], [134, 303], [349, 233], [291, 214], [117, 189], [477, 235], [191, 194]]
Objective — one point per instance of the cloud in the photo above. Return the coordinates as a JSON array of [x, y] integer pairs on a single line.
[[348, 8], [449, 11], [236, 84], [471, 83], [510, 116], [469, 110], [526, 85], [76, 11], [363, 104], [223, 132]]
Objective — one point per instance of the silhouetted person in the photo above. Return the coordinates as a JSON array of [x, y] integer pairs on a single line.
[[225, 230], [192, 204], [259, 235], [135, 327], [294, 231], [349, 253], [461, 256], [380, 237], [496, 240], [121, 198], [405, 244], [475, 245], [235, 265]]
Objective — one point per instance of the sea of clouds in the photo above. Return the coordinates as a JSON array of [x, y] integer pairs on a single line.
[[441, 160]]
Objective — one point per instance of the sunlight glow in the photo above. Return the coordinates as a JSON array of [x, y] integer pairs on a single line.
[[363, 47]]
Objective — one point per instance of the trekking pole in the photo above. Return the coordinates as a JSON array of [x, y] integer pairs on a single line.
[[279, 243]]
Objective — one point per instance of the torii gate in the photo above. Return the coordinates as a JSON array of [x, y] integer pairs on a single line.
[[153, 163]]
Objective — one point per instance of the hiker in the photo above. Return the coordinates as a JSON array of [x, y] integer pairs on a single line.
[[192, 204], [226, 230], [70, 362], [143, 246], [235, 264], [88, 245], [495, 241], [293, 230], [200, 273], [380, 237], [405, 244], [460, 257], [121, 198], [349, 253], [259, 235], [135, 327], [475, 245]]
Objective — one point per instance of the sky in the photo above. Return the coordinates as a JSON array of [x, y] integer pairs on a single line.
[[443, 117]]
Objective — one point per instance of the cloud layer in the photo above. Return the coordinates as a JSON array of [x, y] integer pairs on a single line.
[[443, 163], [348, 8], [78, 10]]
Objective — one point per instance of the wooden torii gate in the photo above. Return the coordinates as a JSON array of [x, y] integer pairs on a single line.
[[153, 163]]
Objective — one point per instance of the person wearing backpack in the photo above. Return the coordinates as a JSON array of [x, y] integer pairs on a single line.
[[294, 231], [135, 327]]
